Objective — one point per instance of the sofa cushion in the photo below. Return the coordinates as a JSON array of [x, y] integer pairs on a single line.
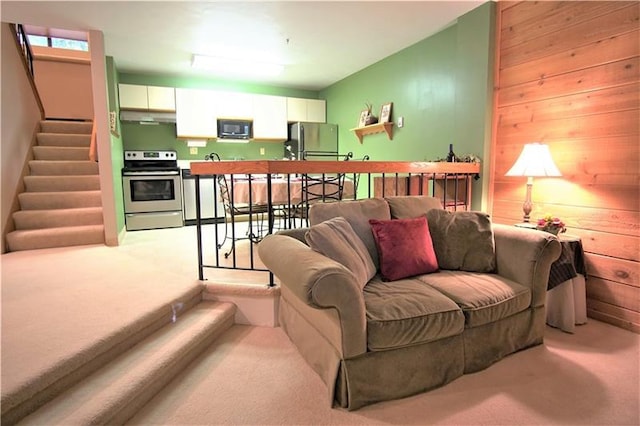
[[484, 298], [404, 207], [408, 312], [462, 240], [336, 239], [357, 213], [404, 247]]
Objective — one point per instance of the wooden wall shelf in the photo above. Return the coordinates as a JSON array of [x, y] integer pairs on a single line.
[[371, 129]]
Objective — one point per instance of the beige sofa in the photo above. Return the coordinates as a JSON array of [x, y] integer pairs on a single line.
[[379, 340]]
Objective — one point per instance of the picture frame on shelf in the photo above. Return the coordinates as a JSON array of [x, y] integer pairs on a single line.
[[363, 118], [385, 112]]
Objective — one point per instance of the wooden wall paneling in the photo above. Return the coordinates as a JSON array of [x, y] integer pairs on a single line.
[[539, 44], [619, 98], [616, 48], [608, 75], [623, 222], [558, 191], [615, 315], [612, 269], [622, 295], [548, 17]]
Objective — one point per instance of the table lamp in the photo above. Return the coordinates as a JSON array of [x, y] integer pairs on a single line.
[[534, 161]]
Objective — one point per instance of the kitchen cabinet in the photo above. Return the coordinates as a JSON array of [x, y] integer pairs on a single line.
[[234, 105], [308, 110], [270, 117], [147, 98], [196, 114]]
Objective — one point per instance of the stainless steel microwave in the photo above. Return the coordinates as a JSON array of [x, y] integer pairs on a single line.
[[234, 129]]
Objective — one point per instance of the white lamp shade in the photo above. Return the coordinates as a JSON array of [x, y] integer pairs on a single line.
[[534, 161]]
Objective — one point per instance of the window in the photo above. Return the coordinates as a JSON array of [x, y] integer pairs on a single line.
[[60, 43]]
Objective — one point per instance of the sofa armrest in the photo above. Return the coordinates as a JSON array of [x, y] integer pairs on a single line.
[[320, 283], [525, 256]]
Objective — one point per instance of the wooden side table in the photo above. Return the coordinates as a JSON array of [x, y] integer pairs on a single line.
[[566, 302]]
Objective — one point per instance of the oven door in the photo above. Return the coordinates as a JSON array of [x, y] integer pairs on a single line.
[[152, 193]]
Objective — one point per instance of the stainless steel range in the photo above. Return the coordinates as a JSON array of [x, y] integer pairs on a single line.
[[152, 190]]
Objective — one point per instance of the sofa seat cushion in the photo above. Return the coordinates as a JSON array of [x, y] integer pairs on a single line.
[[484, 298], [407, 312]]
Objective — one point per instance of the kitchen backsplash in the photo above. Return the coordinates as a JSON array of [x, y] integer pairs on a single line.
[[163, 137]]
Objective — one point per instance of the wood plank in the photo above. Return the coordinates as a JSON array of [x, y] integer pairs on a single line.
[[620, 98], [603, 76], [541, 18], [613, 49], [540, 44], [603, 243], [592, 126], [616, 294], [585, 160], [588, 218], [614, 315], [526, 11], [613, 269], [548, 191]]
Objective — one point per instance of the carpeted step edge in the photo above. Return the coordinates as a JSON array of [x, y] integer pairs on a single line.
[[59, 200], [36, 239], [52, 383], [64, 126], [61, 153], [63, 167], [57, 218], [60, 183], [115, 393]]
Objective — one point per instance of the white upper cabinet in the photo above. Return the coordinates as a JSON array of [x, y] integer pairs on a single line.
[[309, 110], [196, 114], [316, 110], [148, 98], [270, 117], [296, 109], [161, 98], [234, 105]]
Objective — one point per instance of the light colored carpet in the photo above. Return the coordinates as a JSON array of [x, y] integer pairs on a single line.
[[56, 302], [63, 306], [254, 376]]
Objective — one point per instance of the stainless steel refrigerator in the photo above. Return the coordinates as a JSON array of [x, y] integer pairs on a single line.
[[312, 141]]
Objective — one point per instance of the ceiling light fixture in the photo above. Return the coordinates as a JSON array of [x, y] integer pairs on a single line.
[[229, 66]]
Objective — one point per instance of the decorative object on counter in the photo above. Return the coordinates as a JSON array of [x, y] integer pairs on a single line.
[[552, 225], [371, 119], [466, 158], [385, 112], [451, 156], [534, 161]]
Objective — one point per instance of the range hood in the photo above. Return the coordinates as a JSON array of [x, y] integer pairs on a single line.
[[148, 117]]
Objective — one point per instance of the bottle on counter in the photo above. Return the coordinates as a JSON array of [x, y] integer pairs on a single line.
[[451, 157]]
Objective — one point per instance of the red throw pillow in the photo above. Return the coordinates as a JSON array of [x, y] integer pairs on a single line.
[[404, 247]]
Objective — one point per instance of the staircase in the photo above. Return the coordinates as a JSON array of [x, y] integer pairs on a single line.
[[117, 382], [61, 205]]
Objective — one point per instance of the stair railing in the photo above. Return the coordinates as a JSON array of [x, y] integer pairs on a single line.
[[22, 43], [93, 146]]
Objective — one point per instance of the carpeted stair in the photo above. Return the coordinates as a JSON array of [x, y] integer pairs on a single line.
[[61, 205], [125, 381]]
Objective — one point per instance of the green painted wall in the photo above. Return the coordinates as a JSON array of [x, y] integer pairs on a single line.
[[442, 88], [163, 136]]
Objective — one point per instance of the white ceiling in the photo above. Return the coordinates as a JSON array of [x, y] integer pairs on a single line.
[[319, 42]]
